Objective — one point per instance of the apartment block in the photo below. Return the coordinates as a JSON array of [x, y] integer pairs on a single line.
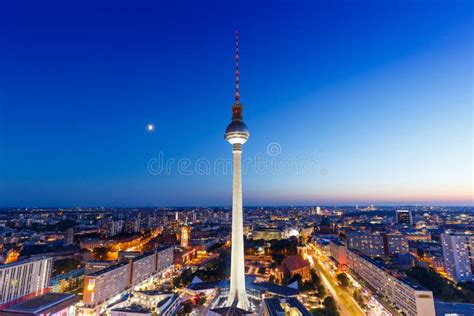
[[24, 279], [408, 297], [458, 254]]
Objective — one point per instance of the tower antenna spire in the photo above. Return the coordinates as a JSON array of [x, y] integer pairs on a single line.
[[237, 95]]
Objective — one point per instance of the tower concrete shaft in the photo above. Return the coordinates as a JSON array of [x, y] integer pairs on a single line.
[[237, 270]]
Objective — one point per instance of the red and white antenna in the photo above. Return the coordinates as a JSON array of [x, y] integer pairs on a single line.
[[237, 95]]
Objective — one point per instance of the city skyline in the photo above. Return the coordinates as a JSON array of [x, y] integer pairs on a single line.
[[384, 112]]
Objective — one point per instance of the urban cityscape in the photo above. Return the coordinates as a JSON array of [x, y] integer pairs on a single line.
[[97, 224]]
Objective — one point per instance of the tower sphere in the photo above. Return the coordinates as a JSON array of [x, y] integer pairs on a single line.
[[237, 132]]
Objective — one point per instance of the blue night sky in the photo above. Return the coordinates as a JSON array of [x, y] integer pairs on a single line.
[[369, 101]]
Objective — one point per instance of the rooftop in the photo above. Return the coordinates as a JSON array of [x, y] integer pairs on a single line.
[[226, 311], [295, 262], [132, 308], [100, 272], [277, 289], [201, 286], [143, 256], [50, 303], [445, 308], [17, 263], [154, 292], [274, 306], [171, 298]]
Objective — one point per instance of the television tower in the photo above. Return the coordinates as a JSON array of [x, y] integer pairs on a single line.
[[237, 134]]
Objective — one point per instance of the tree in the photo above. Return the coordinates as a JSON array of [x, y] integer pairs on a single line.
[[314, 277], [330, 306], [100, 253], [183, 279], [284, 246], [297, 277], [271, 279], [442, 289], [318, 312], [420, 252], [187, 308], [343, 279], [306, 286], [201, 300], [278, 258], [321, 290], [357, 296], [65, 265]]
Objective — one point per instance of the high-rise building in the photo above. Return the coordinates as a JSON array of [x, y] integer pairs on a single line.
[[404, 217], [458, 254], [395, 243], [237, 134], [116, 227], [69, 236], [24, 279], [370, 244], [374, 244], [151, 223], [138, 222]]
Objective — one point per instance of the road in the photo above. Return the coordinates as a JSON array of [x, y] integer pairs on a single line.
[[346, 303]]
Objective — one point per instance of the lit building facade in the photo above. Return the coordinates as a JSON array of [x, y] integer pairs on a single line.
[[142, 267], [370, 244], [267, 234], [338, 252], [377, 244], [163, 258], [404, 217], [69, 236], [155, 301], [24, 279], [396, 243], [458, 254], [185, 235], [410, 298], [103, 285]]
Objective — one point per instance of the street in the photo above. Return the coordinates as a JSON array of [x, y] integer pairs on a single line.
[[344, 300]]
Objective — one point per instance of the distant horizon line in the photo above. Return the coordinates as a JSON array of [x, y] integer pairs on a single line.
[[230, 206]]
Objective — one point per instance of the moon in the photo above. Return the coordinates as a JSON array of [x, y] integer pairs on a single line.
[[150, 127]]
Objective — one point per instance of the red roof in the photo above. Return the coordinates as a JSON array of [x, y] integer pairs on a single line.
[[296, 262]]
